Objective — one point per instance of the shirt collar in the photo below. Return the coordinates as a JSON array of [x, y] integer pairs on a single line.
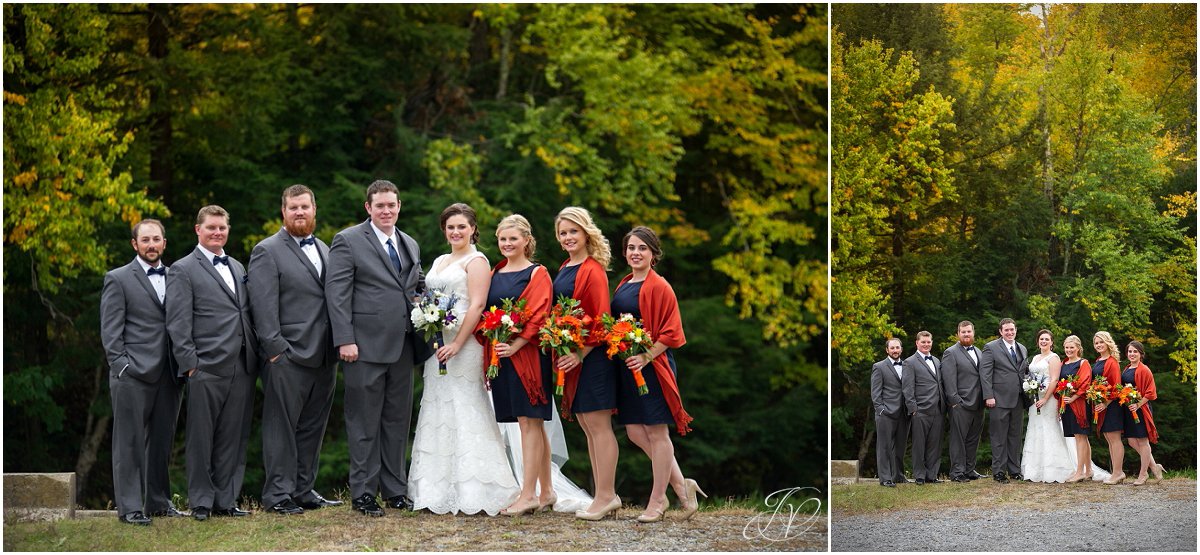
[[146, 267], [383, 237], [207, 253]]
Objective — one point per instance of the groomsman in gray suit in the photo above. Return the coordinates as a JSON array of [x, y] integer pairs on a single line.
[[960, 381], [287, 292], [374, 272], [1000, 375], [208, 317], [923, 397], [891, 419], [141, 378]]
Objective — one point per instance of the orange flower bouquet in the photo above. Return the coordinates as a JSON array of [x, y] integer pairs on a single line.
[[1064, 389], [627, 337], [500, 325], [1099, 394], [566, 326], [1127, 396]]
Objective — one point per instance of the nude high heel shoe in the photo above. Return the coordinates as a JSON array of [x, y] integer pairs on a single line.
[[1158, 473], [1115, 479], [549, 504], [517, 510], [693, 504], [651, 516], [610, 508]]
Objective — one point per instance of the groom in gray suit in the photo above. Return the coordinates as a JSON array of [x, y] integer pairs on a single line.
[[1000, 374], [924, 400], [960, 381], [208, 317], [374, 272], [141, 378], [891, 418], [287, 292]]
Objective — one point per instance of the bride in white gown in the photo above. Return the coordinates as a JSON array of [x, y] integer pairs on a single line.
[[1047, 455], [461, 460]]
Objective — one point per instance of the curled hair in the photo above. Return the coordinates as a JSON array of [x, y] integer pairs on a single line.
[[464, 210], [1078, 344], [381, 186], [148, 221], [1107, 339], [295, 191], [648, 237], [597, 244], [1042, 332], [522, 225], [1137, 346], [211, 210]]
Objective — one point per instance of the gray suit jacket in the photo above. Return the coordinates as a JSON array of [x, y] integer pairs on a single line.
[[368, 300], [288, 298], [960, 377], [887, 390], [208, 324], [1000, 378], [133, 325], [922, 388]]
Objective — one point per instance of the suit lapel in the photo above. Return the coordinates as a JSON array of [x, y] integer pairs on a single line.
[[373, 240], [208, 267], [141, 277], [290, 244]]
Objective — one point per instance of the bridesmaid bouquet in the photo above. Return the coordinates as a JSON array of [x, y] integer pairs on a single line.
[[1129, 395], [1065, 388], [433, 314], [1098, 394], [499, 325], [626, 337], [564, 332]]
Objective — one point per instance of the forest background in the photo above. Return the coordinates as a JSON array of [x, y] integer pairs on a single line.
[[705, 122], [1031, 161]]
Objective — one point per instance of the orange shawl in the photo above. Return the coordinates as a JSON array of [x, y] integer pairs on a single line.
[[526, 361], [1111, 373], [660, 317], [591, 289], [1143, 380], [1084, 379]]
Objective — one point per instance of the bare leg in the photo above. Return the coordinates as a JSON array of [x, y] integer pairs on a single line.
[[1116, 452], [533, 450], [602, 449], [545, 478], [639, 435], [1142, 446], [662, 457]]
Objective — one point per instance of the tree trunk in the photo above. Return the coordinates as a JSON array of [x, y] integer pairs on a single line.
[[505, 47], [93, 437], [158, 35]]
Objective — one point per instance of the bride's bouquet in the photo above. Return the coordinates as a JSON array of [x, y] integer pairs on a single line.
[[435, 313], [565, 328], [500, 325], [1034, 385], [1129, 395], [1066, 388], [1098, 394], [627, 337]]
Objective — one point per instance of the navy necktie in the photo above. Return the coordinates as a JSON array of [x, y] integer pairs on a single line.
[[220, 260], [161, 270], [1013, 352], [393, 255], [308, 241]]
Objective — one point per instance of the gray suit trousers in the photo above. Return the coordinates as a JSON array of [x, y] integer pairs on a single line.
[[296, 406], [926, 445], [378, 413], [1004, 430], [966, 425], [144, 417], [218, 429], [891, 438]]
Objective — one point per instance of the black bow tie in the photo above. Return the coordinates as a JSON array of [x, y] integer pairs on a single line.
[[161, 270], [220, 260], [970, 348], [308, 241], [897, 363], [929, 358]]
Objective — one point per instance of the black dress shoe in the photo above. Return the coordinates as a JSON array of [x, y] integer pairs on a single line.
[[933, 481], [367, 505], [973, 475], [136, 517], [888, 484], [1018, 477], [959, 479], [232, 511], [1000, 477], [919, 482], [400, 502], [200, 513], [287, 507], [901, 480], [316, 502], [171, 512]]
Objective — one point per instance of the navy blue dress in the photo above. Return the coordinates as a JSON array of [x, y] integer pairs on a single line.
[[632, 408], [1110, 424], [597, 380], [508, 394], [1069, 424], [1132, 429]]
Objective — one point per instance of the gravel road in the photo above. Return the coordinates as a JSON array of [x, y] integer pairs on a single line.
[[1121, 518]]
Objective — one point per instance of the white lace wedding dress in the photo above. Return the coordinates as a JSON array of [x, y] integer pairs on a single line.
[[459, 463], [1048, 456]]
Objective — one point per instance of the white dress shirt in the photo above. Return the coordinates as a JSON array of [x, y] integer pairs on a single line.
[[222, 269], [159, 282]]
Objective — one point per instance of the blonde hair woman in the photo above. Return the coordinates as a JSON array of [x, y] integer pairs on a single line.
[[1108, 364]]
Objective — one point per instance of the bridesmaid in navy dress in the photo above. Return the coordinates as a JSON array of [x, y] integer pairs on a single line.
[[590, 391], [1075, 418], [1142, 432], [1109, 425], [521, 390], [646, 295]]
